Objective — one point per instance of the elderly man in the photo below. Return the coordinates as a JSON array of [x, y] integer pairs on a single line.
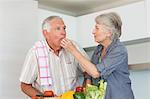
[[48, 66]]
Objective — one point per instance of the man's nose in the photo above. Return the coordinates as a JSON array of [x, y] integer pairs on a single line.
[[63, 32]]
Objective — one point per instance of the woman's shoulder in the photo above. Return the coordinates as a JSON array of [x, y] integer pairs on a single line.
[[118, 47]]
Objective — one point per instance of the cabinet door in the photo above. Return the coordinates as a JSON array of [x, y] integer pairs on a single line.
[[147, 3], [134, 21]]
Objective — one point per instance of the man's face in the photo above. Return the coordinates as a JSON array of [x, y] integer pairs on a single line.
[[57, 31]]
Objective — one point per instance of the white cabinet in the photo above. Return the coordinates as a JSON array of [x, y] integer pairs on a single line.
[[134, 23], [139, 53], [147, 3]]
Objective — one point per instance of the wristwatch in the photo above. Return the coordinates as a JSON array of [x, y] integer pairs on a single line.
[[39, 95]]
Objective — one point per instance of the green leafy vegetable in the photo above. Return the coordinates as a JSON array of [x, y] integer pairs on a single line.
[[79, 95], [96, 92]]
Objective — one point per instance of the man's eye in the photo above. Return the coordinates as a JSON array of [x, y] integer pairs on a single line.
[[58, 28]]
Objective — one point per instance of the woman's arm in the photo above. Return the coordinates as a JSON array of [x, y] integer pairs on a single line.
[[89, 67]]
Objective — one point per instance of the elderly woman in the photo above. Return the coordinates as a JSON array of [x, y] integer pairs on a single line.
[[110, 58]]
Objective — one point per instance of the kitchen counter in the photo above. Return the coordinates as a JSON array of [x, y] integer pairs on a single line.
[[140, 66]]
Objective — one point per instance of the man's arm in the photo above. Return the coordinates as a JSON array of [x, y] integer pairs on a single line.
[[29, 74], [29, 90]]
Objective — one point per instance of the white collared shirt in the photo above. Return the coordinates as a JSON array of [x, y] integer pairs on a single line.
[[64, 68]]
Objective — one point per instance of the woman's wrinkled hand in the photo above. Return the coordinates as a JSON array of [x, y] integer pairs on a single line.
[[67, 44]]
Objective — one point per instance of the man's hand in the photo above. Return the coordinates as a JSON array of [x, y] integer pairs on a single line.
[[34, 97]]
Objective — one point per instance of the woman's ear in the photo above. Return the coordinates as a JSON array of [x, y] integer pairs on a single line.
[[109, 34]]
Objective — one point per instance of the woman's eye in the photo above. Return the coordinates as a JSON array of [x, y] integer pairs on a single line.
[[96, 28]]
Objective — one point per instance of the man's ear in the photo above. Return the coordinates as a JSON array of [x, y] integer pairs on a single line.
[[45, 33]]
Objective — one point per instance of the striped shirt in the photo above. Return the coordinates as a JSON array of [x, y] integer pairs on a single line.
[[65, 70]]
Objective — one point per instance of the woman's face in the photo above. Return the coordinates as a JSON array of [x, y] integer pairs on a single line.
[[100, 33]]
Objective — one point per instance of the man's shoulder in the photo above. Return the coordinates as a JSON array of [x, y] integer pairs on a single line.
[[36, 45], [39, 42]]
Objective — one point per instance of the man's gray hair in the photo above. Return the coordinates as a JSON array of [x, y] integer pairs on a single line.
[[46, 25], [111, 20]]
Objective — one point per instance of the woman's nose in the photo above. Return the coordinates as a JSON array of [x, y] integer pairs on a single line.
[[93, 31]]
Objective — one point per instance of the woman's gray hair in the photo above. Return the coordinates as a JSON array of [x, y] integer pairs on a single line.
[[46, 25], [111, 20]]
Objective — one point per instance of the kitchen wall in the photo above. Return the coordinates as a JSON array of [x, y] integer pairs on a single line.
[[18, 32], [140, 83]]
